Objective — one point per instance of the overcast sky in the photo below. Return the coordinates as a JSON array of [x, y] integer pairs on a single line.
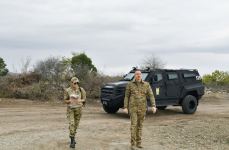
[[117, 34]]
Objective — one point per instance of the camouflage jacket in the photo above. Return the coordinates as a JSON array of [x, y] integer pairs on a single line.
[[137, 93], [79, 92]]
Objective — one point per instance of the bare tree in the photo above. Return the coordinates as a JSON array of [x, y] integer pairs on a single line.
[[51, 70], [153, 62], [25, 63]]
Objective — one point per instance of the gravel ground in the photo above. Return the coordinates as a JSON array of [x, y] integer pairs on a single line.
[[27, 125]]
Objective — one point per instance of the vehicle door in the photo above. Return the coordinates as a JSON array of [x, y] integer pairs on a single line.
[[158, 87], [172, 86]]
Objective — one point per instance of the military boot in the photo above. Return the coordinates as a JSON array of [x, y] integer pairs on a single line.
[[132, 147], [73, 142], [139, 145]]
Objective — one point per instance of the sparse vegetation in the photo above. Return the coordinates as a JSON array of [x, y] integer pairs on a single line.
[[217, 81], [216, 78], [49, 77]]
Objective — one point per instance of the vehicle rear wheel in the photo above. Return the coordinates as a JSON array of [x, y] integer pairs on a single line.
[[189, 104], [161, 107], [110, 110]]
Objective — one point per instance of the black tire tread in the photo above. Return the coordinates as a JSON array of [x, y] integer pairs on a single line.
[[185, 104]]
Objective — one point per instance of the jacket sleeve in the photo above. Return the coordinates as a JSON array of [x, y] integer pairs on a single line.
[[151, 95], [127, 96]]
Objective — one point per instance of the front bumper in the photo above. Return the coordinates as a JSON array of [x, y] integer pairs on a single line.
[[114, 101]]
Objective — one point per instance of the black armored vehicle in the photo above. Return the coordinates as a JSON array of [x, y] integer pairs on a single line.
[[181, 87]]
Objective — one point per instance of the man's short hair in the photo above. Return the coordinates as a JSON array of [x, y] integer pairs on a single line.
[[138, 70]]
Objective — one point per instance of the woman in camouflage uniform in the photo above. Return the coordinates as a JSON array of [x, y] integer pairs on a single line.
[[75, 98]]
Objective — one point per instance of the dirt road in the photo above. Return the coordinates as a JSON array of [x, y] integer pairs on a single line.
[[26, 125]]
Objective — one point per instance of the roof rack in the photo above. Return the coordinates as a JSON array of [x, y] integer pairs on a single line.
[[134, 68], [149, 69]]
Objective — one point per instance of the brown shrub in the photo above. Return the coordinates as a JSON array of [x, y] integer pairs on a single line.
[[31, 86]]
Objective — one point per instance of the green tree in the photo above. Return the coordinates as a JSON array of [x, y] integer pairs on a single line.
[[82, 65], [216, 78], [219, 77], [207, 79], [82, 59], [3, 69]]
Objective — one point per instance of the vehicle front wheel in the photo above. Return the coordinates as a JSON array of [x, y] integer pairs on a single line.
[[110, 110], [189, 104]]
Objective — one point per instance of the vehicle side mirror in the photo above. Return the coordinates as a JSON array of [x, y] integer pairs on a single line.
[[155, 78], [124, 75]]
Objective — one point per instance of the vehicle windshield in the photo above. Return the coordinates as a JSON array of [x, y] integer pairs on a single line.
[[130, 76]]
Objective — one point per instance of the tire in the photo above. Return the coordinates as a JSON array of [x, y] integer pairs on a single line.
[[161, 107], [189, 104], [110, 110]]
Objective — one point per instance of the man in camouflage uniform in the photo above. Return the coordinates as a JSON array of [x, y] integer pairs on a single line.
[[75, 98], [135, 103]]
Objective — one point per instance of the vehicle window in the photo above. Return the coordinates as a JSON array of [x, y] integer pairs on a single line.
[[130, 76], [157, 77], [189, 75], [144, 76], [172, 76]]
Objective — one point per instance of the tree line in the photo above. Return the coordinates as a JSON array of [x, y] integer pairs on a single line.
[[217, 78], [48, 78]]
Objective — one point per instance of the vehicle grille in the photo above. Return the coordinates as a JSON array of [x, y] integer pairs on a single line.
[[107, 92], [120, 91]]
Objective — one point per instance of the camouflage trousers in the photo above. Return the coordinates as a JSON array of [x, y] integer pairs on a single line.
[[73, 116], [137, 117]]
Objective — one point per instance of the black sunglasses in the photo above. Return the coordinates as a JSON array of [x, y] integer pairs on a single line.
[[75, 83]]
